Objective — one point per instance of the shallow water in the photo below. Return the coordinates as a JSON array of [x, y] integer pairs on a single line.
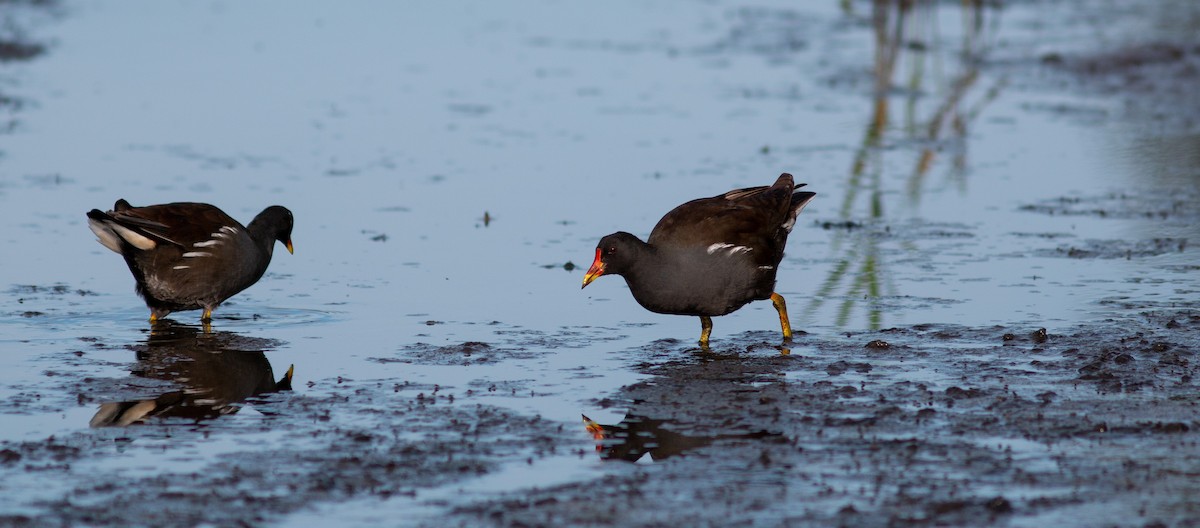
[[990, 170]]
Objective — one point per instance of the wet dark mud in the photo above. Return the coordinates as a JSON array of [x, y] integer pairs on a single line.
[[1152, 77], [1116, 249], [947, 426], [1172, 208], [509, 343], [250, 487], [925, 424], [1133, 63], [340, 439]]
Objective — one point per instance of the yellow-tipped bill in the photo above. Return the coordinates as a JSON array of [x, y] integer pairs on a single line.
[[595, 429], [596, 270], [288, 245]]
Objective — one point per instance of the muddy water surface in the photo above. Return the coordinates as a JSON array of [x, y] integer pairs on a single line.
[[982, 174]]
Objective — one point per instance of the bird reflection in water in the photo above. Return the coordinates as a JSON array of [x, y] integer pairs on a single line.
[[215, 369], [637, 435]]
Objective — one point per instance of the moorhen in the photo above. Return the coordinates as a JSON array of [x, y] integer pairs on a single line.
[[709, 256], [213, 373], [187, 256]]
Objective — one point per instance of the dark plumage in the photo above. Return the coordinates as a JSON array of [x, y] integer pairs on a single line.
[[637, 435], [710, 256], [189, 256], [213, 372]]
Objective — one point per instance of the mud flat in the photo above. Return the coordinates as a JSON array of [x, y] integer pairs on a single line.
[[997, 283]]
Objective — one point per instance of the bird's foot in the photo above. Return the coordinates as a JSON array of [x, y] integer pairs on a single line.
[[781, 307], [705, 330]]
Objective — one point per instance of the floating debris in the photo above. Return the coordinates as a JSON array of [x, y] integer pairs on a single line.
[[569, 266]]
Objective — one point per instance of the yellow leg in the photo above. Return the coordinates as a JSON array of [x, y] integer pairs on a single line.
[[153, 318], [781, 307], [705, 330], [207, 315]]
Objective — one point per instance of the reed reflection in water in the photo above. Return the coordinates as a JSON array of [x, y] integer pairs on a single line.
[[937, 83]]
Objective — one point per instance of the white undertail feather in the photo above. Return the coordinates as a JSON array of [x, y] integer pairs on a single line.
[[137, 412], [191, 254], [791, 221], [110, 234], [105, 414], [207, 243], [134, 239], [105, 236], [181, 267], [733, 249], [110, 413]]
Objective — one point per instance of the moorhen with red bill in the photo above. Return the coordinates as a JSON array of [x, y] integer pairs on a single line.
[[710, 256], [188, 256]]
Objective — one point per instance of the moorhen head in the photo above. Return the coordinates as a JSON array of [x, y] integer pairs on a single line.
[[190, 256], [709, 256]]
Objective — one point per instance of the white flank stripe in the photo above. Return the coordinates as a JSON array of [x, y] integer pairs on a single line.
[[766, 267], [191, 254], [181, 267], [207, 243], [231, 230], [733, 250]]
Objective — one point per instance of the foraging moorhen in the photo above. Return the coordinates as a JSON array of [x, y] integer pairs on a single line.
[[709, 256], [187, 256], [213, 373]]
